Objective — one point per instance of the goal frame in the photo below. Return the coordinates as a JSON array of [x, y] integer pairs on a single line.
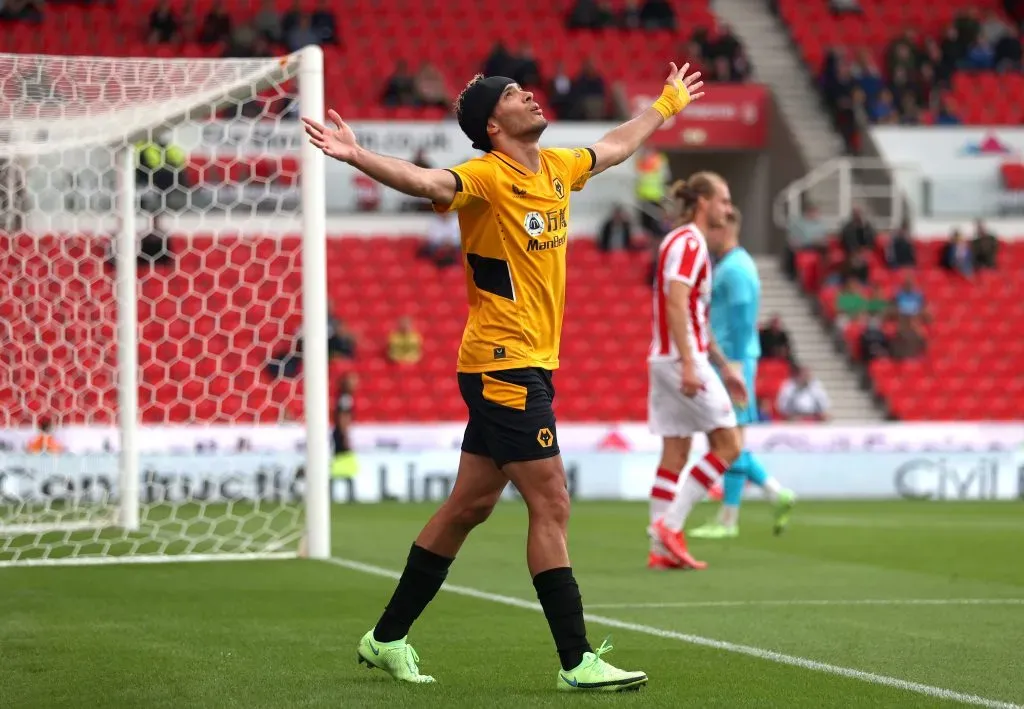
[[316, 540]]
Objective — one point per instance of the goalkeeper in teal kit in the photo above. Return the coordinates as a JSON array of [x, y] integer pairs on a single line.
[[735, 301]]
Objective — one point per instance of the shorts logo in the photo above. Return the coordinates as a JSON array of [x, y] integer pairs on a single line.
[[559, 188], [545, 438], [534, 224]]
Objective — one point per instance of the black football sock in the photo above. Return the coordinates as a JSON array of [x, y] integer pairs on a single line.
[[424, 573], [560, 598]]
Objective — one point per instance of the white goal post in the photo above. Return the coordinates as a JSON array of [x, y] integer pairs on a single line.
[[138, 300]]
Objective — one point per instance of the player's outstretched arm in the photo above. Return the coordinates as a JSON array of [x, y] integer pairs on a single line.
[[340, 143], [680, 90]]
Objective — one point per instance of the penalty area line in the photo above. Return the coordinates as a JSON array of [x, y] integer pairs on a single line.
[[748, 650]]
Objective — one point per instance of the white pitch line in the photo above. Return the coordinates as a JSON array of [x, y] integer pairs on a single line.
[[837, 602], [760, 653]]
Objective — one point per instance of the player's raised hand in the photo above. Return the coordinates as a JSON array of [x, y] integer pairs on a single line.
[[338, 142], [680, 90], [689, 82]]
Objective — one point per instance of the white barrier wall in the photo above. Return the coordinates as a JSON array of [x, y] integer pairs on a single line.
[[572, 437], [421, 476]]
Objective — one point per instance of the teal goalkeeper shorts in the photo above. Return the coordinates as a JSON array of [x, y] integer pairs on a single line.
[[746, 415]]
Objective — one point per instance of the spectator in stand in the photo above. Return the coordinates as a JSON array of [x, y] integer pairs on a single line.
[[984, 247], [590, 15], [657, 15], [993, 28], [883, 110], [561, 93], [856, 266], [953, 48], [866, 75], [957, 256], [590, 92], [764, 409], [900, 54], [840, 7], [443, 242], [22, 10], [629, 18], [268, 21], [216, 27], [401, 87], [899, 251], [342, 342], [1008, 52], [806, 233], [431, 88], [946, 113], [873, 342], [802, 397], [291, 19], [941, 66], [908, 301], [405, 345], [980, 56], [857, 234], [245, 43], [325, 24], [775, 340], [163, 24], [968, 25], [500, 61], [909, 341], [301, 34], [616, 232], [853, 305], [526, 71]]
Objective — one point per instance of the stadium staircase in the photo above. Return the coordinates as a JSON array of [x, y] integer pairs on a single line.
[[813, 346], [777, 64]]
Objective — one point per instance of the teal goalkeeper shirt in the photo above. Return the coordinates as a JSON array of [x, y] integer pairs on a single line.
[[735, 302]]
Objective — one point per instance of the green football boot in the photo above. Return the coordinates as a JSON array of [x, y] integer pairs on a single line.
[[397, 658], [595, 675], [783, 509], [714, 531]]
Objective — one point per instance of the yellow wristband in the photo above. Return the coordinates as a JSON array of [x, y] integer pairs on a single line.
[[673, 99]]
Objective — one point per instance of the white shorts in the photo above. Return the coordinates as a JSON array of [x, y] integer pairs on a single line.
[[672, 413]]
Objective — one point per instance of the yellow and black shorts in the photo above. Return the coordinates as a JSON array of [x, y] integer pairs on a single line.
[[511, 418]]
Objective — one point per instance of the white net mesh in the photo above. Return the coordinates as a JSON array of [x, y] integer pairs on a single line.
[[219, 307]]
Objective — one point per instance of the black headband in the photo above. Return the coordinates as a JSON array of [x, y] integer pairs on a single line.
[[476, 107]]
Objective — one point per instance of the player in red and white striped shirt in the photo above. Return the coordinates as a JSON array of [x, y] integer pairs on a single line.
[[686, 395]]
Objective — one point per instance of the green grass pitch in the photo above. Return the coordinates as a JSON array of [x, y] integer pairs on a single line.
[[926, 593]]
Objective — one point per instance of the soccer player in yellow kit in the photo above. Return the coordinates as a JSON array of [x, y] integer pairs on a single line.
[[513, 205]]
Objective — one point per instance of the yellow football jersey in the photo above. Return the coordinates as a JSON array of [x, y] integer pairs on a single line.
[[514, 225]]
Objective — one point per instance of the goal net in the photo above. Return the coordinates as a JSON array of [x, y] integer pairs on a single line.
[[162, 310]]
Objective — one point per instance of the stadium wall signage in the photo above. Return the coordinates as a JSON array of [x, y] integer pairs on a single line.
[[92, 480]]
